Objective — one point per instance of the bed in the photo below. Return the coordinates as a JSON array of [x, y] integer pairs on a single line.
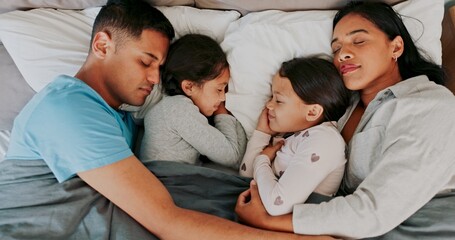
[[42, 39]]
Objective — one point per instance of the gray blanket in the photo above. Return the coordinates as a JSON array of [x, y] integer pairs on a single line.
[[33, 205]]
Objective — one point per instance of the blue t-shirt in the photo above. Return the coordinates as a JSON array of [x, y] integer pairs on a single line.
[[72, 129]]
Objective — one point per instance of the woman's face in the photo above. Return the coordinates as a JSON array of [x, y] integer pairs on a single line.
[[363, 54], [211, 93]]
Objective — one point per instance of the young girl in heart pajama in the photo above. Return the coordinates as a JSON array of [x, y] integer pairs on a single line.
[[308, 97]]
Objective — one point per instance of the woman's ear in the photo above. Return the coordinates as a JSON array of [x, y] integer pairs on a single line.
[[314, 112], [101, 43], [187, 87], [397, 47]]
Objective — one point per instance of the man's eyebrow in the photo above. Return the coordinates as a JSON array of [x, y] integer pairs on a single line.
[[152, 55], [351, 33]]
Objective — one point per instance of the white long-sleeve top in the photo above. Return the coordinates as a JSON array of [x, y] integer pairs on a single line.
[[311, 160], [401, 155]]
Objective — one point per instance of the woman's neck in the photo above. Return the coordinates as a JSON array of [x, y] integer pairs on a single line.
[[368, 94]]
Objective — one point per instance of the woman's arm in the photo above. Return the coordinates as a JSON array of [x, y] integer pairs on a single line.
[[133, 188], [250, 210]]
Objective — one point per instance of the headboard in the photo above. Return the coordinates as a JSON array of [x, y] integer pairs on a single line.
[[448, 46]]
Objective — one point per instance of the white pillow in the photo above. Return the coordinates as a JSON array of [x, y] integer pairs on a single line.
[[47, 42], [259, 42]]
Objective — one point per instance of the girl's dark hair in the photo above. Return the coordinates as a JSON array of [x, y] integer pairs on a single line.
[[125, 19], [411, 63], [193, 57], [317, 81]]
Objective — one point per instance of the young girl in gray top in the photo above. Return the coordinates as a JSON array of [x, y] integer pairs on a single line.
[[194, 79]]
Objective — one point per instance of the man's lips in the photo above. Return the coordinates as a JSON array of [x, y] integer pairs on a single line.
[[347, 68], [147, 89]]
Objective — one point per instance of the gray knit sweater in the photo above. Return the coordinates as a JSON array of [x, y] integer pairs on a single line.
[[175, 130]]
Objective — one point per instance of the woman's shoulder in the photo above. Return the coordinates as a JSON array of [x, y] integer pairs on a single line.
[[421, 87]]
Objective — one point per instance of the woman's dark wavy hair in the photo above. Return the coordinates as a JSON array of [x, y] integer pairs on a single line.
[[124, 19], [194, 57], [317, 81], [411, 63]]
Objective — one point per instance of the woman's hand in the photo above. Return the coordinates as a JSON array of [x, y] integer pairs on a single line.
[[263, 123], [251, 211]]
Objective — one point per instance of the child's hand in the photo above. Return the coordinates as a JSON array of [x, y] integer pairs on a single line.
[[270, 151], [263, 123], [221, 109]]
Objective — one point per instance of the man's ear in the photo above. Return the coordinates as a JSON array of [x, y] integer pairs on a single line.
[[187, 87], [101, 44], [314, 112], [398, 47]]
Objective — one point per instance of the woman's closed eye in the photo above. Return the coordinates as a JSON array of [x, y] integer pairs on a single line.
[[335, 48]]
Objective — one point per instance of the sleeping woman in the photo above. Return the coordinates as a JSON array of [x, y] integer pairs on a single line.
[[194, 80], [400, 176]]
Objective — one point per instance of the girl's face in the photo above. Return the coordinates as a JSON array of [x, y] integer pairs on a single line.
[[208, 96], [286, 111], [364, 55]]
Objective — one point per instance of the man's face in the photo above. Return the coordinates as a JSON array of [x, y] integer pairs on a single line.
[[133, 68]]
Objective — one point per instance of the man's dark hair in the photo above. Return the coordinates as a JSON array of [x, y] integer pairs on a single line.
[[125, 19]]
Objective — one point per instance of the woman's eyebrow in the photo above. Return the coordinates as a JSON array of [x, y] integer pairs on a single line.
[[351, 33]]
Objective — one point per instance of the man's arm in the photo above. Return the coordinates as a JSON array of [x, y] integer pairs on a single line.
[[133, 188]]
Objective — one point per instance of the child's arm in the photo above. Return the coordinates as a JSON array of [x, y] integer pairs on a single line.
[[317, 153], [225, 143], [258, 141]]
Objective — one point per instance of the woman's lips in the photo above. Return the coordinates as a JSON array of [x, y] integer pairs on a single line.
[[348, 68]]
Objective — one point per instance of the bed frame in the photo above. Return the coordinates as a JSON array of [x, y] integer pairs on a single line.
[[448, 46]]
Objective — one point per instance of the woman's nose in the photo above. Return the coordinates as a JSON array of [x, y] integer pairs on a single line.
[[344, 54]]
